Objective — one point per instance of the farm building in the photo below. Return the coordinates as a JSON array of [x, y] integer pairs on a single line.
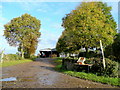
[[49, 52]]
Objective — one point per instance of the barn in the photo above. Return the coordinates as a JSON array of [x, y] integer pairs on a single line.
[[49, 52]]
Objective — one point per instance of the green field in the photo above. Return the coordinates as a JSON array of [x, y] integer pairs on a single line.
[[11, 63]]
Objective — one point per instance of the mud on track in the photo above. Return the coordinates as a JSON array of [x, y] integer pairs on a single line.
[[40, 74]]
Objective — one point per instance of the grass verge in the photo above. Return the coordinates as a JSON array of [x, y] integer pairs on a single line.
[[93, 77], [87, 76], [11, 63]]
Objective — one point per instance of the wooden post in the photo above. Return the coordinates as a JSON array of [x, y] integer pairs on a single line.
[[102, 54], [2, 55]]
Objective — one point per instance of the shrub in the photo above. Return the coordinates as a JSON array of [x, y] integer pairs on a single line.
[[68, 63], [33, 57], [10, 57], [111, 68], [89, 61]]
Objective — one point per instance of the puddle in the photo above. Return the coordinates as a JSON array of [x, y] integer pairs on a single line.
[[9, 79], [23, 79]]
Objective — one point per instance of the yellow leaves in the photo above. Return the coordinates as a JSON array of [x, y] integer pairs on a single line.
[[87, 24], [22, 30]]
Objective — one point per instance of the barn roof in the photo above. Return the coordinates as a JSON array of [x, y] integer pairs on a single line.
[[48, 49]]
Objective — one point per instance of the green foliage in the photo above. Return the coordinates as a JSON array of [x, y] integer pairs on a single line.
[[112, 50], [58, 60], [90, 54], [33, 57], [24, 32], [88, 76], [116, 47], [85, 26], [89, 61], [108, 50], [11, 57], [111, 68], [58, 67], [93, 77], [61, 45]]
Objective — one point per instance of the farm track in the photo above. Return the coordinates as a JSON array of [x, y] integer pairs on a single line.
[[40, 74]]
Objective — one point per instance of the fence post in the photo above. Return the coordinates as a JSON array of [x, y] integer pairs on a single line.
[[102, 54], [1, 56]]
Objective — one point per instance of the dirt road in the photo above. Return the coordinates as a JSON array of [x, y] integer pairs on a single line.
[[40, 74]]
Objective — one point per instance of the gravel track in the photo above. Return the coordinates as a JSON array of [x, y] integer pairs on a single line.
[[40, 74]]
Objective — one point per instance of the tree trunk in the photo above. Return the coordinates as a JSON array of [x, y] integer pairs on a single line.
[[22, 52], [86, 48]]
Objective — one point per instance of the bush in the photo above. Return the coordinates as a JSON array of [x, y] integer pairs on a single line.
[[89, 61], [10, 57], [33, 57], [111, 68], [89, 76]]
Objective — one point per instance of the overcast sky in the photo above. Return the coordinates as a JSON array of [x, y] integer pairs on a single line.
[[49, 13]]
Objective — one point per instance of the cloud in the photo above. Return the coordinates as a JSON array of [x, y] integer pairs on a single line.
[[0, 10], [59, 11], [5, 45], [0, 7], [41, 10], [47, 40], [2, 22], [3, 42], [36, 6], [1, 30], [27, 5], [2, 19], [56, 26]]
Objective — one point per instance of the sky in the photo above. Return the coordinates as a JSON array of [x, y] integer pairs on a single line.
[[49, 13]]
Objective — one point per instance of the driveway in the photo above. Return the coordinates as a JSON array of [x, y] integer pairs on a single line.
[[40, 74]]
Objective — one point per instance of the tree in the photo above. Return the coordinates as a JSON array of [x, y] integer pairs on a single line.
[[116, 47], [62, 45], [89, 23], [23, 32]]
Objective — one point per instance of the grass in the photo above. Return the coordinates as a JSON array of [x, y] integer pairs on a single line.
[[87, 76], [58, 60], [11, 63], [93, 77]]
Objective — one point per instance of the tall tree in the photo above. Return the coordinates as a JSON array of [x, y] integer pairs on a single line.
[[23, 32], [116, 47], [62, 45], [89, 23]]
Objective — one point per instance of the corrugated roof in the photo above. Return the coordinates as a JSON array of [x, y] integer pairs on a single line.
[[48, 49]]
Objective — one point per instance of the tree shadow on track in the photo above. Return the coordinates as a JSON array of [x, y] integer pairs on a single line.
[[49, 63]]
